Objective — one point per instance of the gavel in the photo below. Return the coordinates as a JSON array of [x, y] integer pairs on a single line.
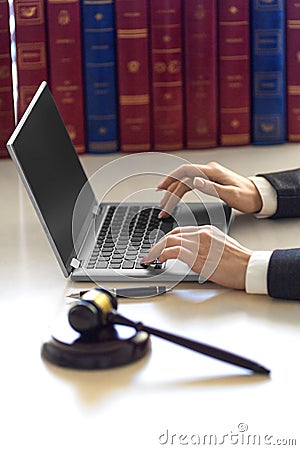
[[96, 308]]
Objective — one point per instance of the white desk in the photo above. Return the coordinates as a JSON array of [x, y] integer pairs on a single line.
[[46, 407]]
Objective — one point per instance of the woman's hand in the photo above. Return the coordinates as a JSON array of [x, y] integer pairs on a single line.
[[213, 179], [207, 251]]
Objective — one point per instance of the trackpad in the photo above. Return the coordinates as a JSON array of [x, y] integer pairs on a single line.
[[196, 214]]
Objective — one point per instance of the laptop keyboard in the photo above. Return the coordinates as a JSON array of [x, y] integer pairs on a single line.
[[126, 236]]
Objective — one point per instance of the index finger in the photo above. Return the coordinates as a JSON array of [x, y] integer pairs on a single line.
[[155, 251], [186, 170]]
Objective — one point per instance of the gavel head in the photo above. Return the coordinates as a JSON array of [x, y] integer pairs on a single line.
[[90, 311]]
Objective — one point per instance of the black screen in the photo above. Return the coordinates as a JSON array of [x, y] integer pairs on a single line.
[[53, 172]]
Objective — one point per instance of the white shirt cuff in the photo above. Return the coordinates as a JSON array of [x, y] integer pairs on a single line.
[[268, 195], [257, 272]]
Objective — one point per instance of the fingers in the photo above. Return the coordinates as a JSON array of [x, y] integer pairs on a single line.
[[212, 170], [184, 171], [170, 240], [188, 238], [213, 189], [212, 179], [173, 195], [182, 253], [207, 251]]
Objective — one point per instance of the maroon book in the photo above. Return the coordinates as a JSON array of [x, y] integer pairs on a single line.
[[201, 82], [167, 76], [234, 72], [65, 65], [7, 121], [31, 49], [293, 70], [133, 74]]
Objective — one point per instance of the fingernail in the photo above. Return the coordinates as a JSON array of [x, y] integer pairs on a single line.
[[162, 215]]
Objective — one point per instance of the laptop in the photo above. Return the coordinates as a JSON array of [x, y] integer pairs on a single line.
[[109, 239]]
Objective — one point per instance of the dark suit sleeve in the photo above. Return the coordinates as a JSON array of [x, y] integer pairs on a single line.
[[284, 267], [287, 186], [284, 274]]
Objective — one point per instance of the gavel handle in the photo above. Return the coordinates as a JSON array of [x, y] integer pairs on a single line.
[[208, 350]]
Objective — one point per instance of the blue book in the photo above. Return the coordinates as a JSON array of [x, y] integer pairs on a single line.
[[268, 71], [98, 35]]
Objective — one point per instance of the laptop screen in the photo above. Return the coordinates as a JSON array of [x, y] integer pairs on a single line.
[[52, 170]]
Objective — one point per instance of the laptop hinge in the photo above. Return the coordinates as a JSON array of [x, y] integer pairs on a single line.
[[96, 210], [75, 263]]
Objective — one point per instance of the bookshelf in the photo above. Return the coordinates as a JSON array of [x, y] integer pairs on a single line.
[[149, 75]]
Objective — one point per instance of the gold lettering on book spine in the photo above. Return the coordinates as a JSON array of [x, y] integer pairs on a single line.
[[31, 55], [293, 90], [29, 13], [293, 24], [133, 66], [134, 99], [237, 139], [294, 137], [132, 34], [62, 2], [135, 147], [233, 9], [63, 17]]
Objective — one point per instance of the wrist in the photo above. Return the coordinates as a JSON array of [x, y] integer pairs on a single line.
[[243, 266], [268, 196], [257, 201]]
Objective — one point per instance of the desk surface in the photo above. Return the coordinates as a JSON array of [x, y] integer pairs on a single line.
[[173, 396]]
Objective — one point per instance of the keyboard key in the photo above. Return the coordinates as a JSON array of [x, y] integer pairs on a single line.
[[114, 265], [127, 232], [128, 265], [101, 264], [132, 251], [130, 257]]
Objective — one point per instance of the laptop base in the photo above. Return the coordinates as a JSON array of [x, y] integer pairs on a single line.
[[105, 350]]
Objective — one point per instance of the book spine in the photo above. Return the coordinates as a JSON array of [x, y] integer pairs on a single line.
[[132, 29], [234, 72], [65, 65], [200, 73], [268, 72], [99, 61], [293, 69], [167, 74], [31, 49], [7, 121]]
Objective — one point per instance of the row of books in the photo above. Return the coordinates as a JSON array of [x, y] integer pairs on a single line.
[[140, 75]]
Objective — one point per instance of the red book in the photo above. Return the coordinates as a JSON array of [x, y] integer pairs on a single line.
[[7, 121], [31, 49], [65, 65], [234, 72], [293, 70], [133, 74], [201, 77], [166, 70]]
